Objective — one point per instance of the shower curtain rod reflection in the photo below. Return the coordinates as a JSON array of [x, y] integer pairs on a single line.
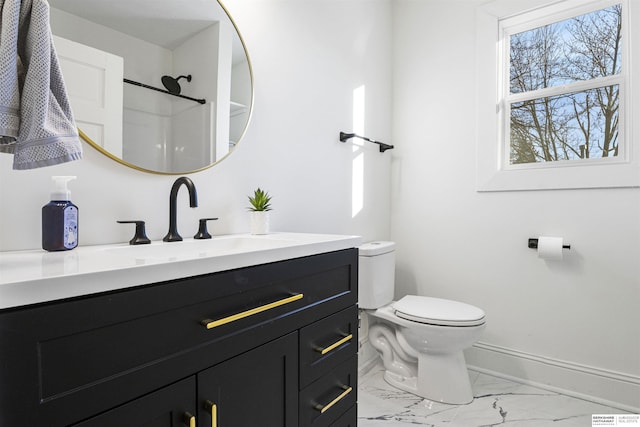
[[383, 147], [132, 82]]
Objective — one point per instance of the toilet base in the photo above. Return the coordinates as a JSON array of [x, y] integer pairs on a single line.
[[441, 378]]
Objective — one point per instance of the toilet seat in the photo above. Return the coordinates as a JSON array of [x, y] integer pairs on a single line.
[[437, 311]]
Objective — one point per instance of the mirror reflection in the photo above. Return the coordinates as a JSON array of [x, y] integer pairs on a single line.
[[160, 86]]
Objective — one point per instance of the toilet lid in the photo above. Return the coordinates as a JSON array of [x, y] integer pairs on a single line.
[[437, 311]]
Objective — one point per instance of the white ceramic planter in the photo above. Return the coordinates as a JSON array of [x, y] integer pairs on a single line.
[[259, 222]]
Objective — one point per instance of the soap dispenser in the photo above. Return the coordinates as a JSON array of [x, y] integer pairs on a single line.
[[60, 218]]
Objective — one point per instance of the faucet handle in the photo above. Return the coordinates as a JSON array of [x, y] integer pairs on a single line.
[[140, 238], [202, 230]]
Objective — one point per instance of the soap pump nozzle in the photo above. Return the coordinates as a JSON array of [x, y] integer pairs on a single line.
[[61, 191]]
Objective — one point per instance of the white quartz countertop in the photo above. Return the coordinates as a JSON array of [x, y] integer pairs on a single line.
[[36, 276]]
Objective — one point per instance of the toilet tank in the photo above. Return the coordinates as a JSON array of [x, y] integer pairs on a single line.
[[376, 274]]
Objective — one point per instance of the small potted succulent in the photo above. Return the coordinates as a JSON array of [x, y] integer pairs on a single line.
[[259, 210]]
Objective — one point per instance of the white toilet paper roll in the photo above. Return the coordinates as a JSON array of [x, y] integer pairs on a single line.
[[550, 248]]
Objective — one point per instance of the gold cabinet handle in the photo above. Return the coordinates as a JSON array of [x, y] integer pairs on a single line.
[[214, 323], [326, 350], [213, 408], [189, 419], [326, 407]]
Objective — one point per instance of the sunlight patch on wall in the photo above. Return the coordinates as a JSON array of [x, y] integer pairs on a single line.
[[357, 178]]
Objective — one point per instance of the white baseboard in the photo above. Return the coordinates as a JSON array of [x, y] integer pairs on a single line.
[[367, 357], [610, 388]]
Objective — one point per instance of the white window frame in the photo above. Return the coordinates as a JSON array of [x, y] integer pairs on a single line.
[[494, 171]]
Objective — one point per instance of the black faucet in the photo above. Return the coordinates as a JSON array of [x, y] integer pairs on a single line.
[[172, 235]]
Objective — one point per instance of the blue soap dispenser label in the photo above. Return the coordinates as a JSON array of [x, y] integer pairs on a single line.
[[60, 218], [70, 227]]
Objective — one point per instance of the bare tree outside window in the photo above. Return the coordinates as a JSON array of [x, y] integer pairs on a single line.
[[553, 115]]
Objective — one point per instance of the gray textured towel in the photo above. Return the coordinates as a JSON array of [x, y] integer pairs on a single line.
[[36, 123]]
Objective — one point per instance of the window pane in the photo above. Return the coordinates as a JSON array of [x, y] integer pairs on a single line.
[[581, 48], [572, 126]]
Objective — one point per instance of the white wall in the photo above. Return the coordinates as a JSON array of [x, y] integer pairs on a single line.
[[571, 325], [307, 57]]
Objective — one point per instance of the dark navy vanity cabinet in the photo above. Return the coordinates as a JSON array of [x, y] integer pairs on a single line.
[[268, 345]]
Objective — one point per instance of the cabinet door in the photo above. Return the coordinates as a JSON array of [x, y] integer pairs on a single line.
[[256, 388], [171, 406]]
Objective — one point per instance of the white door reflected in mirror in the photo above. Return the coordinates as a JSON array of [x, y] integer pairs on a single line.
[[94, 81]]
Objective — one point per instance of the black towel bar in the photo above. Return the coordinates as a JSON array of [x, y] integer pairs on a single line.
[[383, 147]]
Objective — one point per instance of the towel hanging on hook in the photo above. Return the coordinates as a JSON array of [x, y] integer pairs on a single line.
[[383, 147]]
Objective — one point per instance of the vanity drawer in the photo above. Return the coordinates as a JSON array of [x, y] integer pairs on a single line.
[[75, 358], [217, 329], [348, 419], [327, 343], [324, 401]]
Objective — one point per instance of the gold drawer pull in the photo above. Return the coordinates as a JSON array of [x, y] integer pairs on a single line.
[[189, 419], [214, 323], [326, 350], [210, 406], [326, 407]]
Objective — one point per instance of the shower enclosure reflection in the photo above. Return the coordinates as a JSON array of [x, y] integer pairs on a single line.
[[103, 44]]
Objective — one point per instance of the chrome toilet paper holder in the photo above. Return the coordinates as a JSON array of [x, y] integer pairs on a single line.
[[533, 244]]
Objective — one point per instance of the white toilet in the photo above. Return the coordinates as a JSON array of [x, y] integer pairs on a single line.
[[420, 339]]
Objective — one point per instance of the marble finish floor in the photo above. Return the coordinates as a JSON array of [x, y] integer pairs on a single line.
[[497, 402]]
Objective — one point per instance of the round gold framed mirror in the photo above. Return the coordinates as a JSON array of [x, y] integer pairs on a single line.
[[162, 87]]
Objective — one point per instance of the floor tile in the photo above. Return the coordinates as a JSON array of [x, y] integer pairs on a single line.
[[497, 402]]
